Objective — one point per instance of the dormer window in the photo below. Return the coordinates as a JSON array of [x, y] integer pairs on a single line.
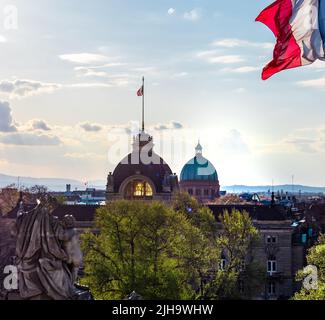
[[271, 239]]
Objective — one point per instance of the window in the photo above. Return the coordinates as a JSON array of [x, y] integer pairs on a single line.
[[271, 239], [206, 192], [198, 192], [138, 189], [223, 264], [190, 192], [271, 288], [271, 265]]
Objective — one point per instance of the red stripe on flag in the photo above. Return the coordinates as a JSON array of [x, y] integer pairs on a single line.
[[287, 53]]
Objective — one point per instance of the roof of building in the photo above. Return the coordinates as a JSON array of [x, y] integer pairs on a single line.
[[256, 212], [87, 212], [147, 164], [199, 168]]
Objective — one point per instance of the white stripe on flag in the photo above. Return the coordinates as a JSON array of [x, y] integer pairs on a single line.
[[305, 27]]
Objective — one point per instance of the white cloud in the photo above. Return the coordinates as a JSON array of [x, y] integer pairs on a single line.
[[24, 88], [84, 58], [89, 85], [234, 142], [173, 125], [240, 90], [303, 144], [88, 127], [233, 43], [192, 15], [84, 155], [38, 124], [316, 83], [171, 11], [244, 69], [214, 57], [29, 139], [6, 121], [180, 75]]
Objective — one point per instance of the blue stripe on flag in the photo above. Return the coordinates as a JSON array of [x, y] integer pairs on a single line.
[[321, 17]]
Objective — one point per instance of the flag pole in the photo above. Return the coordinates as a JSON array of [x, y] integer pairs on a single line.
[[142, 104]]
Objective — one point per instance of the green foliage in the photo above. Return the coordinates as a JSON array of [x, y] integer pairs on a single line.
[[315, 257], [145, 247], [185, 203], [164, 252], [235, 241]]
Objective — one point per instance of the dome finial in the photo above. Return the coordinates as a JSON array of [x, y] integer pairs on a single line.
[[198, 149]]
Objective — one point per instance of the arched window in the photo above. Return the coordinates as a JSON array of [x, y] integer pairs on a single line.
[[138, 189]]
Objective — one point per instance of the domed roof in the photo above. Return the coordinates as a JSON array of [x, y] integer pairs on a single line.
[[132, 164], [199, 168]]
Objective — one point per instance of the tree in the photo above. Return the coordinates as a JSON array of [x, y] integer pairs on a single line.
[[235, 242], [8, 199], [316, 258], [230, 199], [145, 247], [185, 203]]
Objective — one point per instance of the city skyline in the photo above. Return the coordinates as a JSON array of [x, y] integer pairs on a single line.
[[70, 73]]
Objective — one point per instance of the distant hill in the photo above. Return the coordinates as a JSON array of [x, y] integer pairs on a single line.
[[54, 184], [284, 187], [59, 184]]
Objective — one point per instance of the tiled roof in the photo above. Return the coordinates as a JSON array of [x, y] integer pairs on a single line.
[[262, 213]]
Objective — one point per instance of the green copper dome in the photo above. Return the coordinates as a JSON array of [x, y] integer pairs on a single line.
[[199, 168]]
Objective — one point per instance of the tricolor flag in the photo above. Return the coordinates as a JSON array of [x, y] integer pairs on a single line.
[[140, 92], [299, 26]]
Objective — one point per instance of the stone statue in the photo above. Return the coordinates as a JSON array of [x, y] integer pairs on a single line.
[[48, 256]]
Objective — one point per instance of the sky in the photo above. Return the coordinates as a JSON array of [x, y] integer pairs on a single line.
[[70, 70]]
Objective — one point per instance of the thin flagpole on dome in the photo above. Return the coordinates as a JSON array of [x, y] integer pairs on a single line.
[[142, 104]]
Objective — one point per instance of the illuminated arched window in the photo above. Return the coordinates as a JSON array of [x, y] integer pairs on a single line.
[[138, 189]]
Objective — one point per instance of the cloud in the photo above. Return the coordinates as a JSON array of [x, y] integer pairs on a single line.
[[233, 43], [234, 142], [240, 90], [180, 75], [40, 125], [90, 85], [29, 139], [303, 144], [88, 127], [244, 69], [173, 125], [6, 121], [88, 72], [84, 155], [2, 39], [25, 88], [193, 15], [214, 57], [171, 11], [315, 83], [84, 58]]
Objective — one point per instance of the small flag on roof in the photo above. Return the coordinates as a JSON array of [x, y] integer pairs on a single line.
[[299, 26]]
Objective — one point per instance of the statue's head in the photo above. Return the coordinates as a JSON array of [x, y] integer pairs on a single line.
[[69, 221]]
